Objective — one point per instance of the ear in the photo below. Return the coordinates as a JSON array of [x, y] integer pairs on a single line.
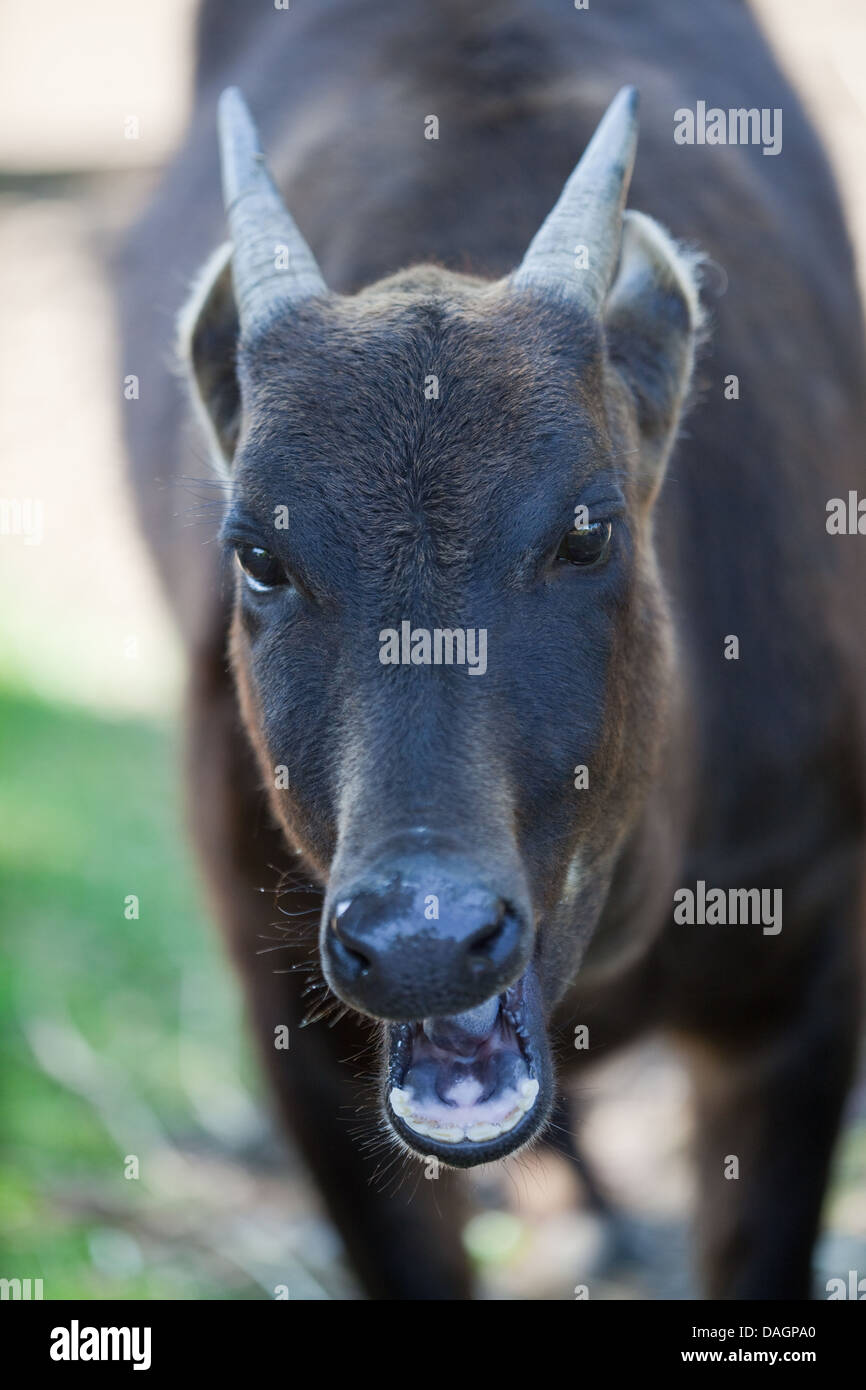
[[207, 339], [653, 321]]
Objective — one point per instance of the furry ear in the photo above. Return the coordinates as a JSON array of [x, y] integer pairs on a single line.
[[208, 332], [653, 321]]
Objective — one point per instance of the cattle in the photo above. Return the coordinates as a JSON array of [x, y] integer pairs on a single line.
[[509, 367]]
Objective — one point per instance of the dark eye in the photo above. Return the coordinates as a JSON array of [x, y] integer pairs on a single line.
[[262, 570], [585, 545]]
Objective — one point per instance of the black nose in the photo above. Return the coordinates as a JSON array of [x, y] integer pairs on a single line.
[[422, 941]]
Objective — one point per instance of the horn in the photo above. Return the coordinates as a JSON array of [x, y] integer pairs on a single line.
[[588, 213], [259, 224]]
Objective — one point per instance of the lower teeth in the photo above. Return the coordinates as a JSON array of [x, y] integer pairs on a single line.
[[478, 1133]]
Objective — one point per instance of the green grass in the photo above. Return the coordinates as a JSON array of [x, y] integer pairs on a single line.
[[89, 810]]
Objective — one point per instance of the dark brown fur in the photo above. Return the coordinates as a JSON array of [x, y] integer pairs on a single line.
[[742, 773]]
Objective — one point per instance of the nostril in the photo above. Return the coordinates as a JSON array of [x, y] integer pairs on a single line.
[[361, 963], [486, 939], [481, 945]]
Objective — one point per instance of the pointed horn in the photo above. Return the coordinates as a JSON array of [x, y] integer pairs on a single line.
[[259, 224], [588, 214]]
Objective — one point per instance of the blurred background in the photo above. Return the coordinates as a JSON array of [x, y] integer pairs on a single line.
[[122, 1033]]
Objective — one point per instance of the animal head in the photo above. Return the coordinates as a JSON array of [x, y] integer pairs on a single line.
[[449, 632]]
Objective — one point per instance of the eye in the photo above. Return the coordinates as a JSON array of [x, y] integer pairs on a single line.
[[586, 545], [262, 570]]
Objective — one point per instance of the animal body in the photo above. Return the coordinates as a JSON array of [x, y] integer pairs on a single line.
[[587, 424]]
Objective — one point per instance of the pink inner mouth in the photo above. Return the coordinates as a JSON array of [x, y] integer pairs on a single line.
[[468, 1077]]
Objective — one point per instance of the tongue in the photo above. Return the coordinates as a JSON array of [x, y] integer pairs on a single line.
[[462, 1033]]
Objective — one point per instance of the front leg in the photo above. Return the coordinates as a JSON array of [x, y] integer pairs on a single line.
[[403, 1244], [769, 1099], [400, 1229]]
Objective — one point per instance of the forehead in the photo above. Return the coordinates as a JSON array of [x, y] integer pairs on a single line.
[[424, 438], [418, 394]]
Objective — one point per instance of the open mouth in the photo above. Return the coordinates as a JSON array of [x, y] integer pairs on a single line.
[[475, 1086]]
